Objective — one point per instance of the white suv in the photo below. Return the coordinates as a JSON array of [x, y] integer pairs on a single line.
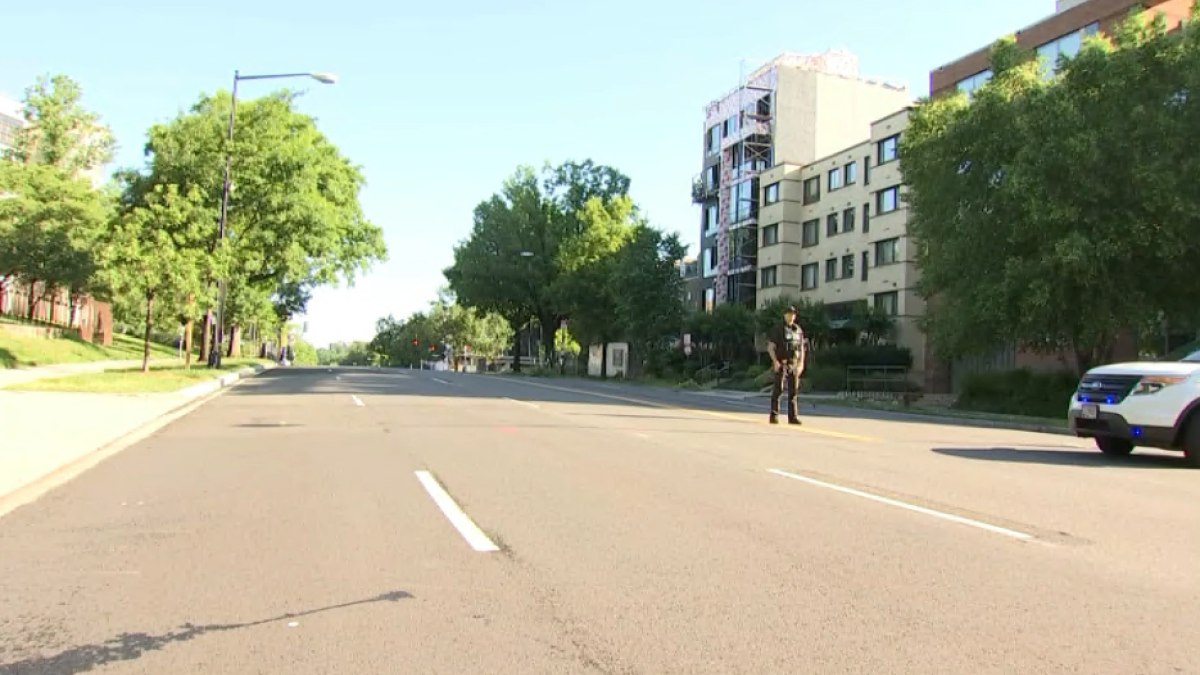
[[1153, 404]]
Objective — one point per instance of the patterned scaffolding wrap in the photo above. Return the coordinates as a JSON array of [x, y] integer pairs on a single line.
[[723, 226]]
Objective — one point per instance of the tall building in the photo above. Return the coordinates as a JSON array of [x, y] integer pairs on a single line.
[[793, 110], [1061, 33], [11, 121], [835, 231]]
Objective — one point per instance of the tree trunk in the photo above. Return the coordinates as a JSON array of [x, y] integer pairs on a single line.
[[149, 328], [33, 300], [604, 360], [206, 334], [74, 311], [188, 338], [235, 341], [517, 338]]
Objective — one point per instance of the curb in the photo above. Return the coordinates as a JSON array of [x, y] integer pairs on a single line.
[[204, 388], [959, 421]]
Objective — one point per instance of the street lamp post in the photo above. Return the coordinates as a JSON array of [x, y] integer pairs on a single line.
[[214, 358]]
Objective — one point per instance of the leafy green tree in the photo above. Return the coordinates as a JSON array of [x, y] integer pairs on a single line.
[[51, 219], [294, 220], [49, 225], [529, 235], [158, 251], [648, 290], [59, 131], [1055, 213]]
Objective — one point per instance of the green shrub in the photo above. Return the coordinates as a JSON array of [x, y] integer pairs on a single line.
[[862, 355], [824, 378], [1018, 392]]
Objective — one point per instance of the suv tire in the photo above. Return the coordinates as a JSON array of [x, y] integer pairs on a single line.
[[1118, 447], [1191, 441]]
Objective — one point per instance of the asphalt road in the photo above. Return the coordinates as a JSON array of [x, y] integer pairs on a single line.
[[359, 521]]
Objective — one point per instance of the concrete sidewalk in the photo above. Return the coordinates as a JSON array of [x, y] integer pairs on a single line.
[[43, 432]]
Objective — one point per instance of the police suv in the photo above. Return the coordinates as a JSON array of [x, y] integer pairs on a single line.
[[1153, 404]]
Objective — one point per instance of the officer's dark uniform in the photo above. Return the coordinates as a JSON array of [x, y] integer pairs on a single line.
[[787, 340]]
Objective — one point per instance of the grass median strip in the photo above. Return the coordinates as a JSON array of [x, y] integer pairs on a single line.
[[162, 378]]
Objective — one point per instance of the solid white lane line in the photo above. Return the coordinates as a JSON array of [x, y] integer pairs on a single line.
[[440, 381], [531, 405], [459, 519], [911, 507], [357, 400]]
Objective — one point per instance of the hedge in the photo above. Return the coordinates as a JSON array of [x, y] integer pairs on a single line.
[[1019, 392]]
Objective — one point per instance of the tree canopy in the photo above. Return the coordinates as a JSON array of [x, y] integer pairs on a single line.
[[294, 219], [1053, 213]]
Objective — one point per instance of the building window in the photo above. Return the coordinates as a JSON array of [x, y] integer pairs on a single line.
[[848, 220], [1065, 46], [808, 276], [741, 202], [811, 233], [711, 219], [848, 266], [710, 262], [831, 225], [888, 149], [867, 170], [710, 299], [866, 218], [831, 269], [888, 303], [968, 85], [768, 277], [887, 200], [887, 252], [772, 193], [866, 264], [812, 190], [714, 139], [851, 173], [835, 179], [770, 235]]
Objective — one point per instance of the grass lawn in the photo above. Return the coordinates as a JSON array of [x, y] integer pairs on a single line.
[[21, 351], [161, 378]]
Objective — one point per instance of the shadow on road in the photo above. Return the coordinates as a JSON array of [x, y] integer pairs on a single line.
[[132, 646], [1066, 457]]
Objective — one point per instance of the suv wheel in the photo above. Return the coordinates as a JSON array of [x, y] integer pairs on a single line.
[[1191, 442], [1117, 447]]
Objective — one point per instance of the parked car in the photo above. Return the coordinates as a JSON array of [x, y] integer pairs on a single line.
[[1152, 404]]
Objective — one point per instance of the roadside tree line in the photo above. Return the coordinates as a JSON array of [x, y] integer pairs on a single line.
[[567, 251], [147, 241]]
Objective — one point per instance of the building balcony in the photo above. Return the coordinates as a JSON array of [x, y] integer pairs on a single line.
[[702, 191]]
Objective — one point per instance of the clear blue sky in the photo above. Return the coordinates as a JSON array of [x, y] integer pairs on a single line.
[[439, 102]]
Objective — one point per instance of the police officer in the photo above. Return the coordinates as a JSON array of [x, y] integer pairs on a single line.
[[786, 347]]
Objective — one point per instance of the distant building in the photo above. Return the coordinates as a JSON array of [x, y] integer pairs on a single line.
[[11, 121], [792, 110], [1061, 33]]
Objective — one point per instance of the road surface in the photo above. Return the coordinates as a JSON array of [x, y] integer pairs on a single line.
[[364, 521]]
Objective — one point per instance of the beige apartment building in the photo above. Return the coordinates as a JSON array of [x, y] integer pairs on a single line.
[[793, 109], [835, 231]]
